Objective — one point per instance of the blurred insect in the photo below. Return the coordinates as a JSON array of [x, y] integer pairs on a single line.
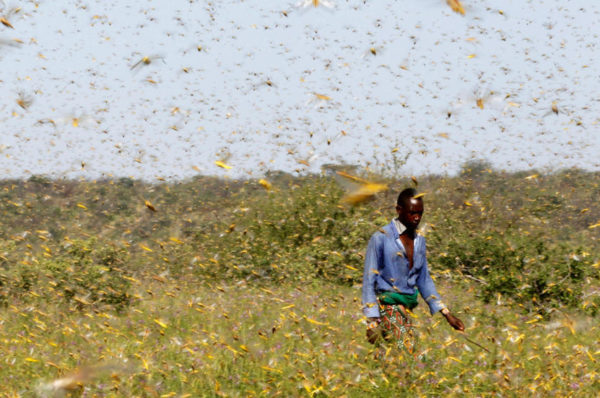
[[479, 97], [265, 184], [315, 3], [339, 135], [373, 51], [46, 121], [320, 100], [264, 82], [360, 190], [454, 108], [488, 97], [75, 382], [11, 42], [456, 6], [305, 162], [4, 19], [5, 22], [146, 60], [556, 110], [150, 205], [75, 120], [24, 101], [222, 165]]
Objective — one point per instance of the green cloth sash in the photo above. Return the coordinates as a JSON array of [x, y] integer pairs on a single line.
[[394, 298]]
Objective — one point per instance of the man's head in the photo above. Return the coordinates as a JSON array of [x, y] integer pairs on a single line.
[[409, 208]]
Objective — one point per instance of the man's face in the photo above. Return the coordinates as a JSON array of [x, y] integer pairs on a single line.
[[410, 213]]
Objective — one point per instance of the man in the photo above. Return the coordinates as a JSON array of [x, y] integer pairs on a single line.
[[395, 267]]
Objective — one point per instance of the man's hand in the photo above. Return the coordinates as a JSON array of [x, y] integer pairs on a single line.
[[373, 332], [454, 321]]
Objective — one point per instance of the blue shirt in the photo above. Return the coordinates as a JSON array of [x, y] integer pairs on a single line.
[[386, 269]]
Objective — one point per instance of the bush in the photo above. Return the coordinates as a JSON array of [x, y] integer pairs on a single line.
[[527, 269], [84, 273], [300, 233], [87, 273]]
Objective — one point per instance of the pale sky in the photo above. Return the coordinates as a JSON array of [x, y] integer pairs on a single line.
[[389, 74]]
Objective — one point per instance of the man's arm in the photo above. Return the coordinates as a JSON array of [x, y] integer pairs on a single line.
[[452, 320], [428, 290], [432, 298], [372, 261]]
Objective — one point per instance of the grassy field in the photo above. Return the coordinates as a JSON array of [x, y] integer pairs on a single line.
[[223, 288], [245, 340]]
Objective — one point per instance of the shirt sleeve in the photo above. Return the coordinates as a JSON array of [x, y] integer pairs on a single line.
[[427, 289], [372, 261]]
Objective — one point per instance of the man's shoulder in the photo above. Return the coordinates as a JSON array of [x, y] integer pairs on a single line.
[[385, 231]]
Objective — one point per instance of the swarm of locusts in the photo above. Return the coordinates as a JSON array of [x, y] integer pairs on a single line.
[[247, 287], [251, 286]]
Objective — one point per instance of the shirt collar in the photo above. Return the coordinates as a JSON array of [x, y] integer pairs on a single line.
[[399, 226]]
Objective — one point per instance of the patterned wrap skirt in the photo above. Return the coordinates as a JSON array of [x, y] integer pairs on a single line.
[[397, 328]]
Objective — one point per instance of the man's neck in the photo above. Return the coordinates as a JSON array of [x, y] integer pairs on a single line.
[[410, 233]]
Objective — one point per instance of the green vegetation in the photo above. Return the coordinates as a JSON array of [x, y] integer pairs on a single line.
[[220, 287]]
